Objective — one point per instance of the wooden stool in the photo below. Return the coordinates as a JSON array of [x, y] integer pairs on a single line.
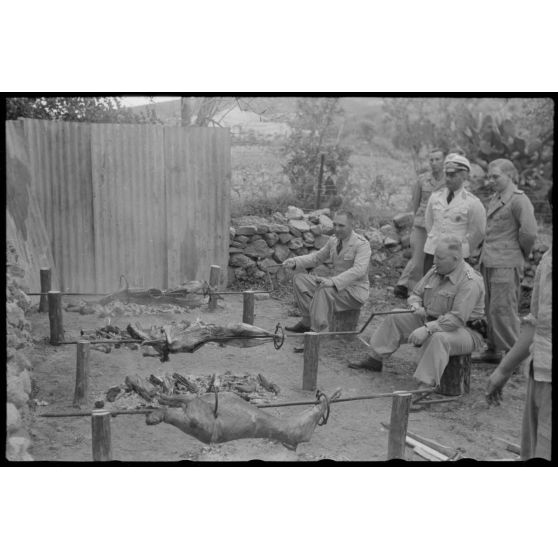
[[456, 378], [345, 321]]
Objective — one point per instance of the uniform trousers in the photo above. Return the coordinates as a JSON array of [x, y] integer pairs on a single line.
[[502, 292], [435, 351], [317, 303], [413, 271], [536, 430]]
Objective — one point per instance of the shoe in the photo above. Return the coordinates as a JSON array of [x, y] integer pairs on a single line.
[[367, 363], [401, 291], [298, 328], [490, 357]]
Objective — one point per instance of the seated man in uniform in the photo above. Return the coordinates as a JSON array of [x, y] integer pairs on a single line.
[[448, 307], [318, 297]]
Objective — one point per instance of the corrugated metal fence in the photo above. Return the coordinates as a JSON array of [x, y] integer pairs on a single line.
[[147, 202]]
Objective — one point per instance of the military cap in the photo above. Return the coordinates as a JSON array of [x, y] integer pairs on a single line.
[[455, 162]]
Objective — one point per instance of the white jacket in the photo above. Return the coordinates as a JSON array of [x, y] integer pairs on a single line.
[[464, 217]]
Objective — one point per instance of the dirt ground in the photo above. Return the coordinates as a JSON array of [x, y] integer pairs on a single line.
[[353, 432]]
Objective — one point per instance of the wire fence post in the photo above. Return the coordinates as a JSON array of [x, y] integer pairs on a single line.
[[214, 279], [248, 307], [401, 403], [311, 356], [82, 372], [55, 317], [46, 279], [100, 435]]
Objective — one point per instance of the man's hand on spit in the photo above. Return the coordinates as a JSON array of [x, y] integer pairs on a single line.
[[419, 311]]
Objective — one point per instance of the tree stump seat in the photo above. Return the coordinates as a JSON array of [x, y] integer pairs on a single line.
[[456, 378], [345, 321]]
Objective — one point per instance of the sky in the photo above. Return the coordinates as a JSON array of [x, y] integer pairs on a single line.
[[135, 101]]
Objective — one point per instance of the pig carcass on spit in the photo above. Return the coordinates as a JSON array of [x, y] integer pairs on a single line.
[[190, 294], [222, 417], [191, 339]]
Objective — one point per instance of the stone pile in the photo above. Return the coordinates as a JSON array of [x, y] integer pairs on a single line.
[[256, 243], [18, 379]]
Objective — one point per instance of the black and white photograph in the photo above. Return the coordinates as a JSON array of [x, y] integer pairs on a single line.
[[317, 278]]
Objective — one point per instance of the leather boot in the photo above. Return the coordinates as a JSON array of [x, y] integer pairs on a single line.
[[368, 363]]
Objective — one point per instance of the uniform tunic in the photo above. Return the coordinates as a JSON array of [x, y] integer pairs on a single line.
[[536, 432], [413, 271], [511, 230], [351, 285], [425, 186], [450, 302], [464, 217]]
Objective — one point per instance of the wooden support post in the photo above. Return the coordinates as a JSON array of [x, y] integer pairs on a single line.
[[214, 280], [248, 307], [400, 406], [100, 435], [45, 288], [55, 317], [82, 373], [456, 377], [311, 355]]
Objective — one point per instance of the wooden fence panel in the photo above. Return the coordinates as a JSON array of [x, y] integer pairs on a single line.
[[197, 178]]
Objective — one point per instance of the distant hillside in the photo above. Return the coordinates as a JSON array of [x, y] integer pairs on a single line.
[[277, 109]]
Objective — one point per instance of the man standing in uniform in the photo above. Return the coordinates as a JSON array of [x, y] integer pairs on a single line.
[[511, 231], [427, 183], [318, 297], [448, 307], [535, 343], [454, 211]]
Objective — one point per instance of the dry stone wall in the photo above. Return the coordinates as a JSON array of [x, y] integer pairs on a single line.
[[18, 369], [256, 243]]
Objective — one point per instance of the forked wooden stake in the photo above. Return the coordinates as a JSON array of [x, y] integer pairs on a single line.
[[400, 406], [82, 373], [214, 278], [248, 307], [45, 274], [100, 435], [55, 317], [311, 356]]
